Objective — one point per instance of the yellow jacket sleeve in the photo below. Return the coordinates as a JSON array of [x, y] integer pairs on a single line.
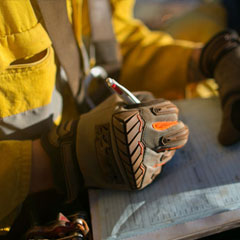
[[27, 84], [15, 173], [152, 60]]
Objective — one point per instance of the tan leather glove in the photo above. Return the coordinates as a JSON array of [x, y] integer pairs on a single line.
[[221, 59], [117, 146]]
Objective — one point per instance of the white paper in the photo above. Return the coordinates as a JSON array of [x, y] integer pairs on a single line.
[[203, 179]]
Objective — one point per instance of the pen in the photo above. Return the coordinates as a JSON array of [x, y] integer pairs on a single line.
[[122, 92]]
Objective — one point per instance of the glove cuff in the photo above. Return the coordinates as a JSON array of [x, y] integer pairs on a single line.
[[215, 49], [60, 144]]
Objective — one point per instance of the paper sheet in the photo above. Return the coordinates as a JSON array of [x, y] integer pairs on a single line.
[[203, 179]]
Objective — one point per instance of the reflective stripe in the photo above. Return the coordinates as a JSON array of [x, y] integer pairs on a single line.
[[31, 124]]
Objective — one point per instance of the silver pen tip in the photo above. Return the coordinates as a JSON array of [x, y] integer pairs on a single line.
[[110, 81]]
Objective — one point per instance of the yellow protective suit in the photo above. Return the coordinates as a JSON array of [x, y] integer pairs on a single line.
[[151, 61]]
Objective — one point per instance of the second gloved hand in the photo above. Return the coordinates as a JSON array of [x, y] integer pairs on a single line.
[[115, 145], [221, 59]]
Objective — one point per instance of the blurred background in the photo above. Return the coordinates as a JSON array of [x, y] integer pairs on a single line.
[[168, 15], [157, 13]]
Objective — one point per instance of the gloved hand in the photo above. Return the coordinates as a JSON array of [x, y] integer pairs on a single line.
[[115, 145], [220, 59]]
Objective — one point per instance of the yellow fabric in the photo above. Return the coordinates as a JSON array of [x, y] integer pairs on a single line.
[[77, 19], [19, 32], [27, 86], [199, 25], [24, 85], [149, 63], [155, 61], [152, 61]]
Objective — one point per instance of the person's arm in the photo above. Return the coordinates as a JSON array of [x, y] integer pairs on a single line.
[[220, 59], [152, 60]]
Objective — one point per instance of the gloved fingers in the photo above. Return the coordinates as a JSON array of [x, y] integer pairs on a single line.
[[146, 137], [170, 136], [216, 49], [153, 163], [144, 96], [166, 157], [159, 121], [157, 108]]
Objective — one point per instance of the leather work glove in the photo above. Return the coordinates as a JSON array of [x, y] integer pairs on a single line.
[[115, 145], [220, 59]]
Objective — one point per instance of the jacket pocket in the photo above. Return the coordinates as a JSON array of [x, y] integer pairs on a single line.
[[27, 83]]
